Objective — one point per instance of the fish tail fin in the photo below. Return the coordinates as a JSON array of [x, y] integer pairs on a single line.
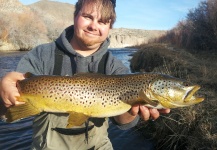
[[20, 111]]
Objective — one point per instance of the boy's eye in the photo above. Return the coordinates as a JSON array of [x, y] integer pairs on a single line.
[[102, 22], [86, 16]]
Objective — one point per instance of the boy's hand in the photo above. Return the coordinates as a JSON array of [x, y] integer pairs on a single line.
[[147, 113], [8, 89]]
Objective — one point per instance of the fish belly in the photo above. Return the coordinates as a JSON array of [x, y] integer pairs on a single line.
[[94, 110]]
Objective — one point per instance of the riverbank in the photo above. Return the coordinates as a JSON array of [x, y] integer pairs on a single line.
[[192, 127]]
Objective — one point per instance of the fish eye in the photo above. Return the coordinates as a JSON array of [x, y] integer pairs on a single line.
[[186, 84]]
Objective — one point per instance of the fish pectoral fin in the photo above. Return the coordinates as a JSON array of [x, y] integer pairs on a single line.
[[76, 119], [20, 111], [147, 100]]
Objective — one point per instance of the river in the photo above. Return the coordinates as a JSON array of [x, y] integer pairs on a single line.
[[17, 136]]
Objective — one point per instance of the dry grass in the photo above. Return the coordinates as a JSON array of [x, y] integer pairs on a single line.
[[25, 33], [193, 127], [28, 26]]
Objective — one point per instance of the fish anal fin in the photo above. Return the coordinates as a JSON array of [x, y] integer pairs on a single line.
[[76, 119], [147, 100], [20, 111]]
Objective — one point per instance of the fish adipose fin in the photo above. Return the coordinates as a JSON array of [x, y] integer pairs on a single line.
[[29, 75], [84, 74], [146, 99], [20, 111], [76, 119]]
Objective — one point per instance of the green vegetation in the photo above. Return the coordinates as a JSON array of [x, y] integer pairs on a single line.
[[188, 51]]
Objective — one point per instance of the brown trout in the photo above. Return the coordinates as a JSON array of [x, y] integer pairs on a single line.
[[97, 95]]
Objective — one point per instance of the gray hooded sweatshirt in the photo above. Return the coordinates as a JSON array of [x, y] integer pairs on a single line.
[[40, 61]]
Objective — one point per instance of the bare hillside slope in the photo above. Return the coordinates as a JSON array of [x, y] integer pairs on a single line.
[[55, 15]]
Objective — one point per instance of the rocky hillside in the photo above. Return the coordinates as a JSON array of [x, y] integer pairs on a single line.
[[20, 27], [23, 27], [122, 37], [10, 6]]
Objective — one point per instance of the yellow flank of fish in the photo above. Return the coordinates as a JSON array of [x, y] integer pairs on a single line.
[[97, 95]]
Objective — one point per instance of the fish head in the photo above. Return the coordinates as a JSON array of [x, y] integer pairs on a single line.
[[172, 92]]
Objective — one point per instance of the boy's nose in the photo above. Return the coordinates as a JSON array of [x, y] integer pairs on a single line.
[[93, 25]]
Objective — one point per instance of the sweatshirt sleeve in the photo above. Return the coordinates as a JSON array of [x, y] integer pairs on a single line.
[[37, 61], [126, 126]]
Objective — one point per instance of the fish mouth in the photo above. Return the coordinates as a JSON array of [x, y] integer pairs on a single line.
[[191, 95]]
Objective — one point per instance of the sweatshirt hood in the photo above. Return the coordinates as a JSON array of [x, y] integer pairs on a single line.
[[64, 42]]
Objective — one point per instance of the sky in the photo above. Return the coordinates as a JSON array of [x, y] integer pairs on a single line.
[[146, 14]]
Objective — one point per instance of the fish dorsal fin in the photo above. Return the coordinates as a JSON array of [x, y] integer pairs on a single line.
[[29, 75], [146, 99]]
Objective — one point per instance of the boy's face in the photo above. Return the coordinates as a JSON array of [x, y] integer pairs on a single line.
[[89, 30]]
